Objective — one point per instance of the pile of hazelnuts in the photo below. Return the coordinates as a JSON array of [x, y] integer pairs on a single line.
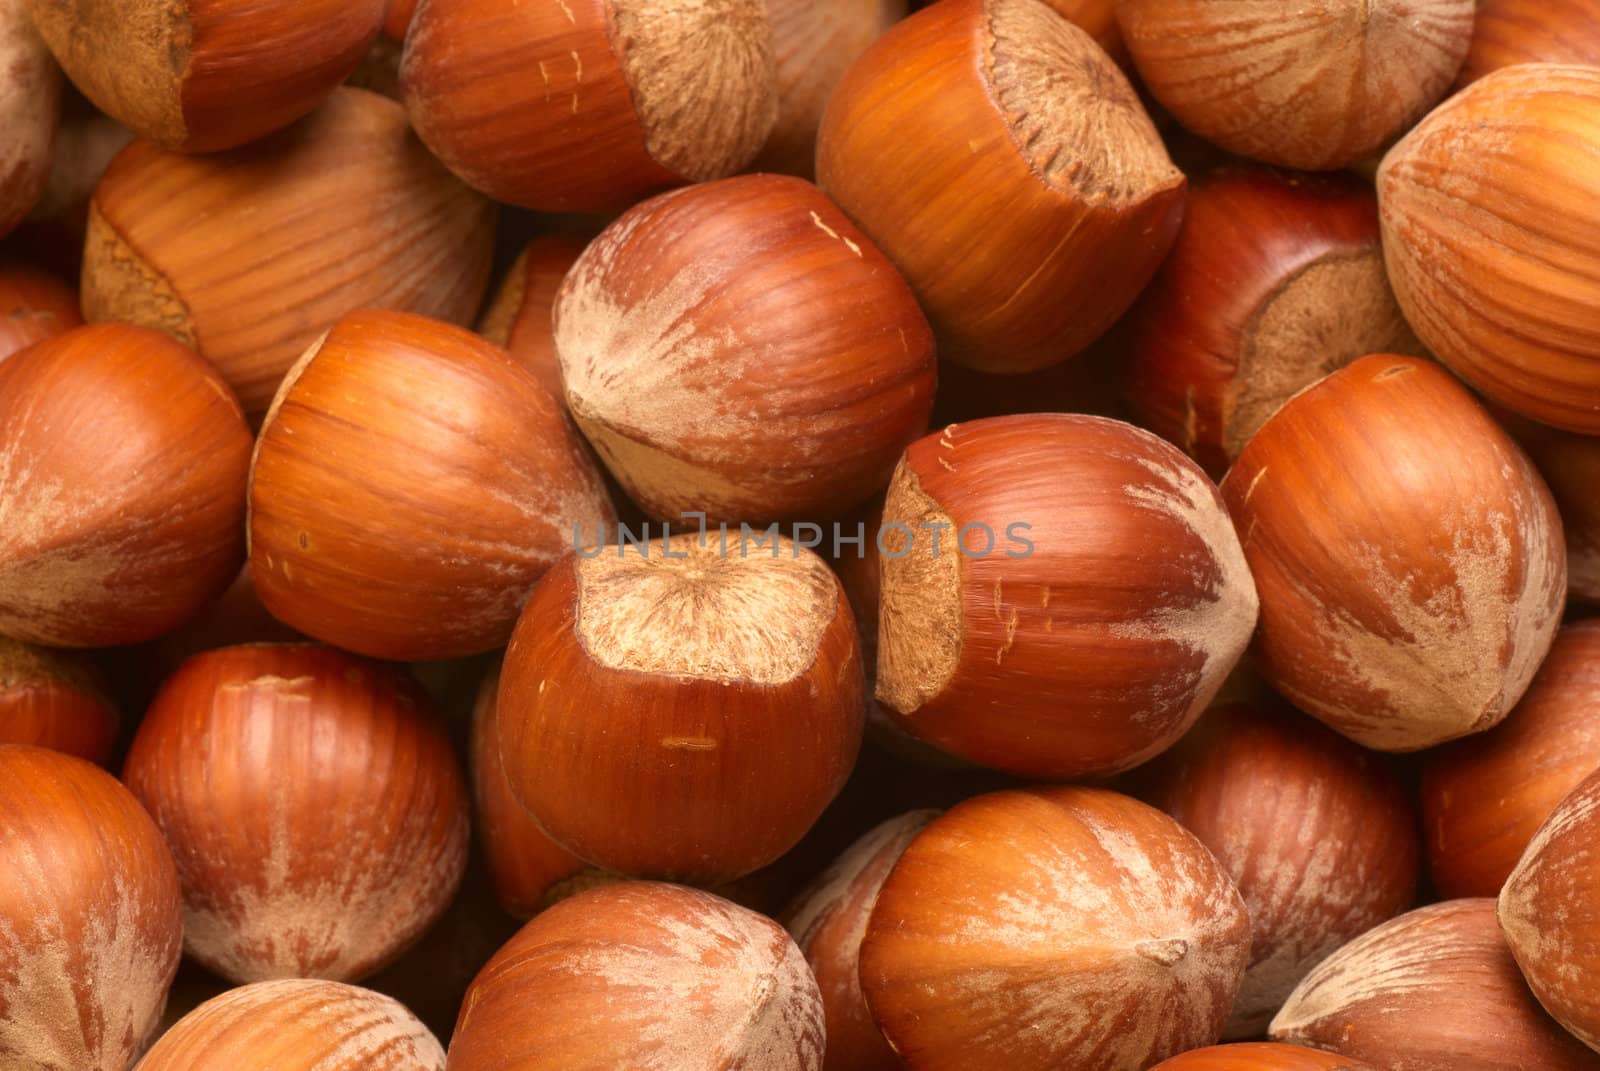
[[969, 535]]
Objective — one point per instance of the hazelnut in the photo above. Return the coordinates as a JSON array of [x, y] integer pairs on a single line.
[[518, 319], [207, 75], [34, 306], [1068, 929], [637, 975], [1317, 834], [30, 107], [1432, 990], [248, 256], [314, 806], [1508, 32], [682, 710], [411, 483], [1549, 911], [1484, 798], [122, 474], [1313, 86], [528, 869], [1262, 1056], [91, 920], [1503, 288], [1410, 560], [1275, 281], [813, 43], [51, 699], [740, 348], [1062, 595], [297, 1025], [995, 153], [828, 921], [1571, 465], [589, 106]]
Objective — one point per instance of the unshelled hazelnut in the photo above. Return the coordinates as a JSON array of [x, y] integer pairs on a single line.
[[679, 708], [297, 1025], [122, 471], [1053, 929], [1312, 86], [1570, 463], [1508, 32], [1002, 161], [34, 306], [205, 75], [410, 484], [588, 105], [828, 921], [315, 806], [1409, 559], [1433, 990], [1062, 595], [1484, 798], [813, 43], [638, 975], [1276, 280], [1317, 834], [740, 348], [525, 865], [51, 699], [248, 256], [1503, 288], [30, 106], [518, 319], [91, 919], [1550, 911], [1260, 1056]]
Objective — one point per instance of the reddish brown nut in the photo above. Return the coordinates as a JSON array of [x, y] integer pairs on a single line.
[[1317, 834], [1275, 281], [1484, 798], [53, 233], [1508, 32], [1260, 1057], [643, 975], [1409, 558], [1317, 86], [297, 1025], [91, 920], [528, 869], [814, 42], [1433, 990], [677, 709], [1263, 1056], [518, 320], [122, 470], [1550, 911], [34, 305], [398, 20], [1571, 465], [1062, 595], [1006, 166], [314, 805], [30, 106], [1503, 288], [589, 105], [206, 75], [741, 349], [250, 255], [411, 483], [1068, 929], [50, 699], [828, 921]]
